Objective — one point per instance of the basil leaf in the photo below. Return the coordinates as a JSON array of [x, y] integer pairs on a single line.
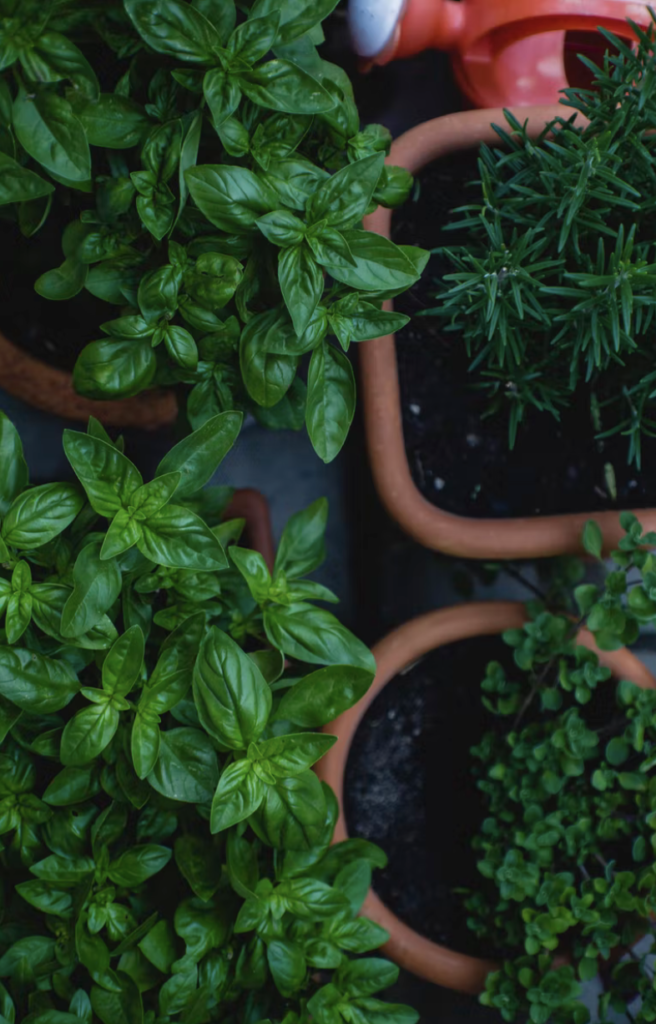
[[198, 456], [302, 548], [187, 768], [138, 864], [18, 184], [52, 57], [177, 537], [239, 794], [49, 131], [108, 477], [199, 861], [323, 695], [292, 814], [232, 198], [296, 16], [39, 514], [343, 200], [284, 86], [331, 395], [96, 586], [72, 786], [87, 734], [113, 121], [232, 698], [175, 29], [301, 284], [267, 376], [63, 282], [313, 634], [13, 467], [34, 682], [380, 265], [114, 368]]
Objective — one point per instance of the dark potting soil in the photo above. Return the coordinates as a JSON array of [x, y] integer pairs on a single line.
[[54, 332], [460, 460], [410, 789]]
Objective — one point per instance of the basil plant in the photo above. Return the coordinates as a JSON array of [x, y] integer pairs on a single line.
[[566, 847], [165, 846], [217, 178]]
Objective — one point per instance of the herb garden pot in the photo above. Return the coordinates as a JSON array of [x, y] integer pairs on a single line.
[[51, 389], [434, 527], [396, 653]]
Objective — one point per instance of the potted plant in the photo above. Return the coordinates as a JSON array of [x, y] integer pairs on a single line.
[[210, 175], [165, 846], [564, 770], [542, 335]]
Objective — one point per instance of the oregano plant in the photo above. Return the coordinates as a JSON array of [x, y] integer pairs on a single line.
[[566, 848], [164, 843], [217, 177], [553, 287]]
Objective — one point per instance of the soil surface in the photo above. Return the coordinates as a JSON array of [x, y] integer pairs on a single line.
[[460, 459], [55, 332], [409, 787]]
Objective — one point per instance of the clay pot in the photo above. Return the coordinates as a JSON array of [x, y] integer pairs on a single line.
[[50, 389], [399, 650], [536, 537], [251, 505]]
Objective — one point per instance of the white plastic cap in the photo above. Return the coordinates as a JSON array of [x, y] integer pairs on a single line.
[[372, 24]]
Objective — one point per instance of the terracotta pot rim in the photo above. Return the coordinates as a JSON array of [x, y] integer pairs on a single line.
[[400, 649], [462, 536], [51, 390]]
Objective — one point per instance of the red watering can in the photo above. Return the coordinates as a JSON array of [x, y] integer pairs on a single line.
[[505, 53]]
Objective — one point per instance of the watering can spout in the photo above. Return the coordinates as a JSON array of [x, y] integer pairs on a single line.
[[382, 30]]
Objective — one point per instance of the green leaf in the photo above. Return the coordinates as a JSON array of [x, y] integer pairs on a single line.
[[106, 475], [49, 131], [46, 898], [122, 666], [232, 198], [617, 751], [301, 283], [284, 86], [114, 367], [63, 282], [175, 29], [138, 864], [39, 514], [34, 682], [18, 184], [199, 861], [159, 946], [293, 813], [72, 785], [239, 794], [343, 200], [314, 635], [177, 537], [87, 734], [380, 265], [114, 122], [287, 966], [323, 695], [198, 456], [296, 16], [302, 546], [53, 58], [96, 586], [331, 398], [267, 376], [232, 698], [593, 540], [13, 467], [123, 1007], [187, 768]]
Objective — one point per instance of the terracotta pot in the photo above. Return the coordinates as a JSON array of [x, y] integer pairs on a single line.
[[251, 505], [47, 388], [536, 537], [399, 650]]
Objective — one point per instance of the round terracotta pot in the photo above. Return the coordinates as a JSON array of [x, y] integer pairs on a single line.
[[534, 537], [251, 505], [51, 390], [398, 651]]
